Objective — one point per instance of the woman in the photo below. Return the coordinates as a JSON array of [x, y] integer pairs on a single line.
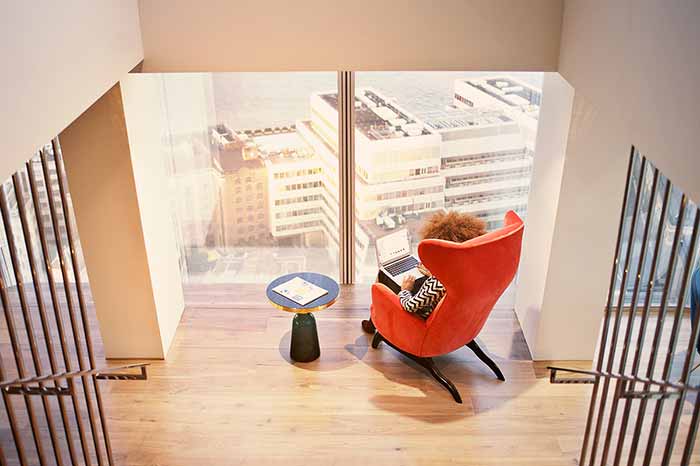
[[421, 296]]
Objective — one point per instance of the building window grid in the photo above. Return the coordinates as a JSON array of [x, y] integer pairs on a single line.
[[483, 158], [299, 226], [299, 212], [299, 186], [488, 196], [471, 180], [297, 173], [408, 193]]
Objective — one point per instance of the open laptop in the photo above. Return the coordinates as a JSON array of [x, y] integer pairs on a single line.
[[394, 256]]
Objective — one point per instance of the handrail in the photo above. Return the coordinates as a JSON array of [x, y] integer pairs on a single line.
[[24, 385], [613, 375]]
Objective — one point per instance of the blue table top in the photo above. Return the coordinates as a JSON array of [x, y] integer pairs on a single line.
[[322, 302]]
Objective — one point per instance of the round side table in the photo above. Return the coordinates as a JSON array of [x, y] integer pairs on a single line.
[[304, 346]]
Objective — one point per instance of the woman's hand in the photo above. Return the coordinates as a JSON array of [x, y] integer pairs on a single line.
[[422, 269], [407, 283]]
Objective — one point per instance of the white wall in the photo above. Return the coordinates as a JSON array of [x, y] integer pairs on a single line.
[[552, 135], [58, 58], [146, 125], [634, 66], [283, 35], [118, 184]]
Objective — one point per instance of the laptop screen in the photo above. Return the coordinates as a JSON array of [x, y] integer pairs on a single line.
[[393, 246]]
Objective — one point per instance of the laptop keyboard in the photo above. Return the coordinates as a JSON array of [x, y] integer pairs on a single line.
[[401, 266]]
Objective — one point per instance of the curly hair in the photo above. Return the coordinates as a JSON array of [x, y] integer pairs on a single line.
[[453, 226]]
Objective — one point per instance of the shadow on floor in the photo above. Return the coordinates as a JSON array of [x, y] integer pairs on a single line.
[[436, 406], [321, 364]]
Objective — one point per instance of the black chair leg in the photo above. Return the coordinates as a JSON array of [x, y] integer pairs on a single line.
[[378, 338], [472, 345], [429, 364]]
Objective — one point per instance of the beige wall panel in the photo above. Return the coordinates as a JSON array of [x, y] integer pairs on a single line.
[[101, 180], [279, 35]]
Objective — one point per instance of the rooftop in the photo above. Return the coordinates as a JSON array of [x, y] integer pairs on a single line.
[[450, 119], [413, 223], [508, 90], [233, 151], [377, 118], [283, 147]]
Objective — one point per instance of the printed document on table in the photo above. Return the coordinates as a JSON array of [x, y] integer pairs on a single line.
[[300, 291]]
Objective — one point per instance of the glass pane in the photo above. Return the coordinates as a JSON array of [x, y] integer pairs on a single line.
[[252, 175], [42, 188], [669, 226], [432, 141]]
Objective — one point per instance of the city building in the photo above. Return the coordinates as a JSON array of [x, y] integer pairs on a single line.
[[397, 160], [243, 218], [484, 162], [472, 160], [519, 100]]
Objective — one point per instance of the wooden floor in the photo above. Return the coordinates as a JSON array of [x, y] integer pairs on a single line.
[[229, 394]]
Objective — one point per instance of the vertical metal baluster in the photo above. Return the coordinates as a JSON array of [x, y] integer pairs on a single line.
[[16, 436], [3, 461], [656, 341], [70, 303], [645, 318], [619, 385], [618, 318], [57, 315], [58, 160], [606, 317], [692, 433], [680, 309], [677, 319], [42, 314], [12, 329]]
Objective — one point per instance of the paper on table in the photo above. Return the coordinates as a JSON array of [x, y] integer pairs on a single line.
[[300, 291]]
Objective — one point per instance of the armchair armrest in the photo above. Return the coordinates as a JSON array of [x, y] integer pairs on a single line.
[[384, 298], [402, 328]]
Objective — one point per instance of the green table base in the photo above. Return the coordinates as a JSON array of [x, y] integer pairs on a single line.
[[304, 346]]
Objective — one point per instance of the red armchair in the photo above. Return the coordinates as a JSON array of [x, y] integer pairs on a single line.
[[475, 274]]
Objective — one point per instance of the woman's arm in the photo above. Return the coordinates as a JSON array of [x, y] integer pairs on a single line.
[[428, 296]]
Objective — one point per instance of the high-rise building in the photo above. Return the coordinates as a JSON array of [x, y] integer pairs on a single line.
[[484, 162], [397, 159], [242, 214], [517, 99], [472, 159]]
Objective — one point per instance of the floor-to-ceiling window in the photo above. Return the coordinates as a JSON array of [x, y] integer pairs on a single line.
[[253, 174], [432, 141], [643, 181], [253, 163], [45, 178]]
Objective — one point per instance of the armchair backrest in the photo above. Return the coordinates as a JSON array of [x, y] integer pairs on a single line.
[[475, 274]]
